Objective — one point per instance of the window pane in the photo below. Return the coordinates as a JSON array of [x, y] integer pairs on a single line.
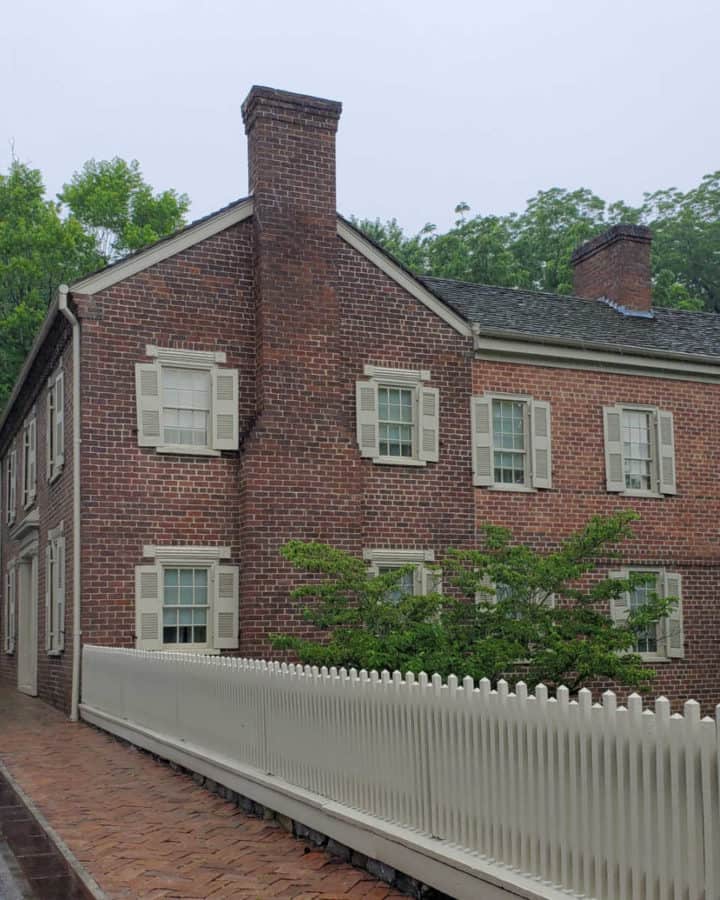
[[647, 639], [186, 406], [637, 450], [170, 636], [395, 415], [405, 586], [509, 441]]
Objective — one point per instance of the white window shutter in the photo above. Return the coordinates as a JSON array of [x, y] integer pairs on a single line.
[[481, 416], [32, 460], [666, 452], [49, 584], [541, 449], [429, 442], [614, 461], [366, 410], [7, 634], [226, 612], [59, 421], [620, 606], [49, 444], [148, 608], [12, 599], [12, 487], [147, 395], [225, 402], [675, 638], [59, 594], [431, 580]]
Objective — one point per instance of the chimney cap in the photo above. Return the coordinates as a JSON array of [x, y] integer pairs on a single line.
[[289, 104], [639, 233]]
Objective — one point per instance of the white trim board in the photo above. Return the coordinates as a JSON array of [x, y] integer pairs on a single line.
[[401, 277], [164, 249], [461, 874]]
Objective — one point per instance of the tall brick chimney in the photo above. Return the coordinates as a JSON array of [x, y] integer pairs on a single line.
[[615, 266], [301, 445]]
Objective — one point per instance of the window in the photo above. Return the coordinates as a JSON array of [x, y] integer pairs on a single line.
[[639, 450], [186, 403], [185, 606], [55, 425], [664, 639], [29, 461], [187, 600], [397, 417], [10, 484], [55, 591], [511, 442], [9, 628], [423, 579], [502, 592]]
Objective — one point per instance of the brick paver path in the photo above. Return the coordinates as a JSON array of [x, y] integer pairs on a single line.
[[142, 830]]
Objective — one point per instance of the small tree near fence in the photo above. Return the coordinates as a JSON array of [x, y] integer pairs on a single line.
[[512, 612]]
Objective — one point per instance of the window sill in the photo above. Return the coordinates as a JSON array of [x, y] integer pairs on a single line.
[[650, 495], [654, 658], [398, 461], [187, 451], [513, 488], [54, 653]]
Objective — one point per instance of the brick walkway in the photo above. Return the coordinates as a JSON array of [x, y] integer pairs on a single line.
[[141, 830]]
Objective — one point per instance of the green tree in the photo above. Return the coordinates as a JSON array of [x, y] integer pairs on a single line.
[[368, 622], [118, 208]]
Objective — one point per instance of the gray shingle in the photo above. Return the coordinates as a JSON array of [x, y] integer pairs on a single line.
[[536, 315]]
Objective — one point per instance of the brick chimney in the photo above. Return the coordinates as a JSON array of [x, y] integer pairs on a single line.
[[300, 447], [615, 266]]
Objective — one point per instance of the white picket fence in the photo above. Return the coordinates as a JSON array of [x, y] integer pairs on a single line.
[[600, 800]]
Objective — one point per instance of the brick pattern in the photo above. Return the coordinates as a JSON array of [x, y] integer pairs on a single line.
[[616, 265], [144, 831]]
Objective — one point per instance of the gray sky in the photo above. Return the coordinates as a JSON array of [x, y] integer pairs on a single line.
[[485, 102]]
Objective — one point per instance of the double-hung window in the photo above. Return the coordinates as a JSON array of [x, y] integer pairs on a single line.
[[187, 600], [511, 442], [55, 425], [11, 484], [29, 479], [186, 402], [423, 578], [663, 639], [639, 450], [397, 417], [55, 591]]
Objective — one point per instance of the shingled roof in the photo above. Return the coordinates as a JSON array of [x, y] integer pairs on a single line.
[[554, 318]]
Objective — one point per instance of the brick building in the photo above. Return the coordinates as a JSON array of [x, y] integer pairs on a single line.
[[268, 373]]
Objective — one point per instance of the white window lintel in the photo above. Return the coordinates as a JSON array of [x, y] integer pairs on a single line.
[[410, 377], [398, 557], [57, 531], [192, 359], [184, 555]]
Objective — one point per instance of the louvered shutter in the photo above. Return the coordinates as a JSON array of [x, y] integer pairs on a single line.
[[431, 580], [12, 487], [429, 444], [226, 613], [541, 450], [666, 452], [481, 416], [620, 606], [148, 608], [49, 583], [59, 594], [49, 426], [59, 422], [147, 394], [12, 600], [32, 460], [614, 462], [366, 411], [225, 409], [675, 638], [6, 624]]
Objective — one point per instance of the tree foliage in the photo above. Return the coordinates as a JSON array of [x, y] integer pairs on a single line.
[[532, 249], [106, 210], [367, 621]]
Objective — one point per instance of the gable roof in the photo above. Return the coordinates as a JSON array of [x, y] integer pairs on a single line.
[[555, 318]]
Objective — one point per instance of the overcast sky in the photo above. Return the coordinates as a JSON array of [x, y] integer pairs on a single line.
[[477, 101]]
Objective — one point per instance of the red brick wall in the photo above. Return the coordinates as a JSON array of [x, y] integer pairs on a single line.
[[54, 503], [200, 299], [679, 533]]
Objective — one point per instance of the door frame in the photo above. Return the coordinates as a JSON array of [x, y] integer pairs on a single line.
[[26, 604]]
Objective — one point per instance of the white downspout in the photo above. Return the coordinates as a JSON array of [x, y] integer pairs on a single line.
[[67, 312]]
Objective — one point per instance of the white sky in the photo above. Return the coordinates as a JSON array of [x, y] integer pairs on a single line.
[[485, 102]]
